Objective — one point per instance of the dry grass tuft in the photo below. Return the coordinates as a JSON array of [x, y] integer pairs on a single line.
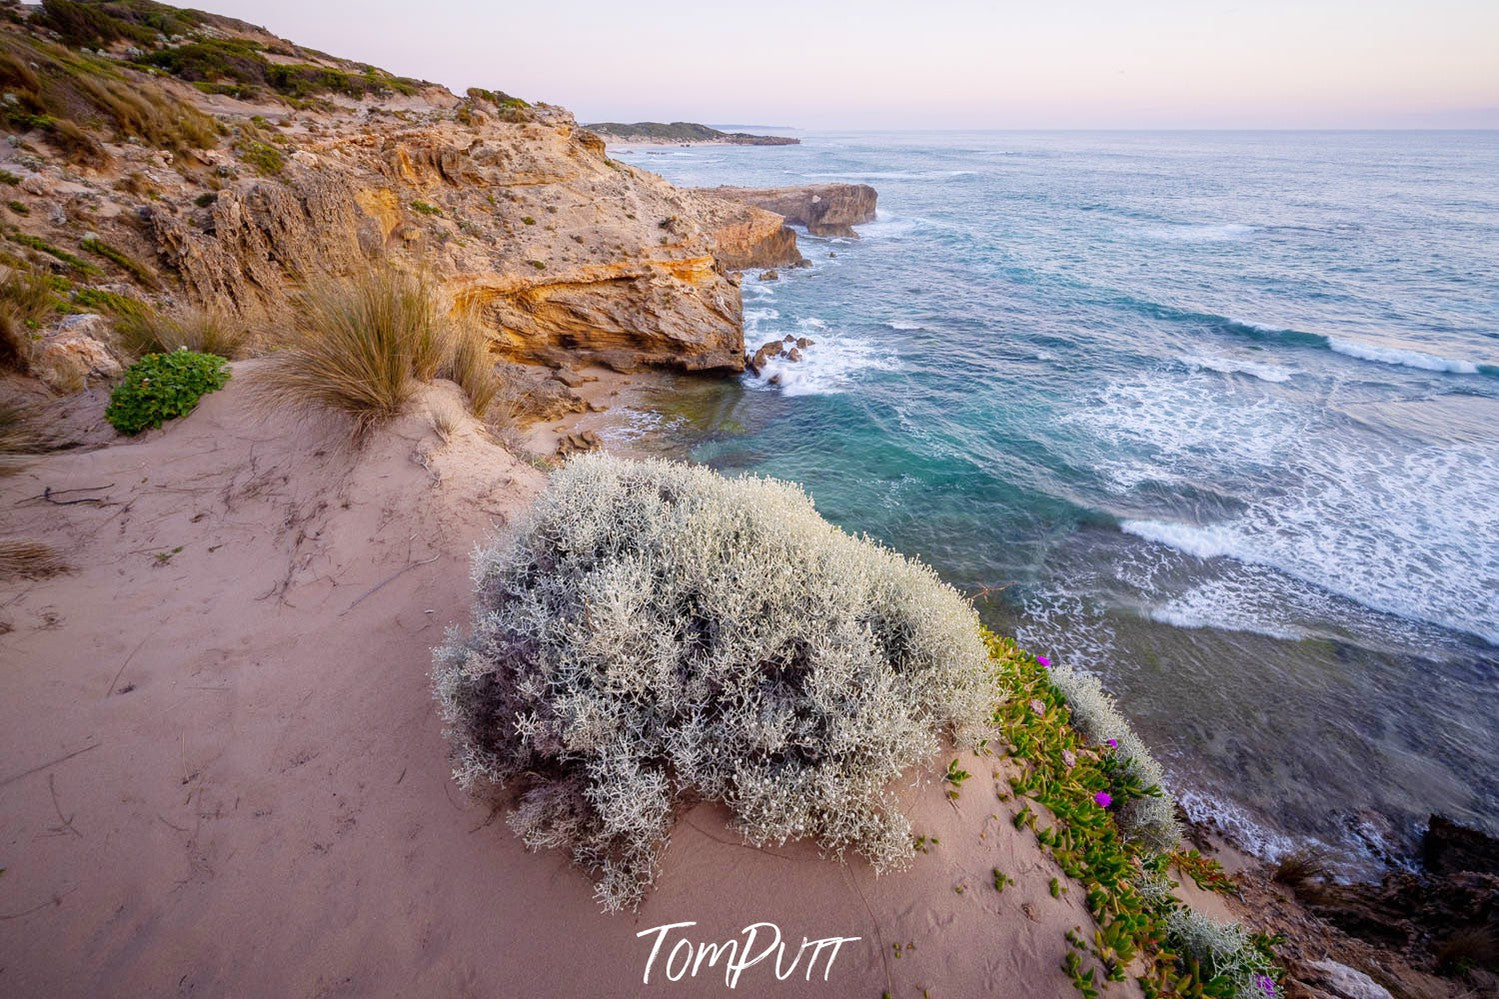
[[1303, 871], [206, 331], [21, 435], [471, 364], [27, 299], [29, 558], [1470, 947], [359, 346]]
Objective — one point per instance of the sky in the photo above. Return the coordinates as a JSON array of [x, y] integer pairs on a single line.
[[878, 64]]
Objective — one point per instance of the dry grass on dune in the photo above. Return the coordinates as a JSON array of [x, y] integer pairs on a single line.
[[360, 345], [29, 558], [26, 297], [206, 331], [21, 436]]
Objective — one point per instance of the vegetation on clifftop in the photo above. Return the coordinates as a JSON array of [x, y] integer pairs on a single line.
[[684, 131]]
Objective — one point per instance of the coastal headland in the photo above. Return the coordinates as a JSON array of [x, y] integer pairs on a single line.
[[221, 766]]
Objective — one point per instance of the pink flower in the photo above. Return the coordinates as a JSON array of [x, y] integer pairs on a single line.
[[1044, 661], [1103, 799], [1111, 743], [1038, 707]]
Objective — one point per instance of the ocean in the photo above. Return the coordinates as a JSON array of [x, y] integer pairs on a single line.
[[1214, 415]]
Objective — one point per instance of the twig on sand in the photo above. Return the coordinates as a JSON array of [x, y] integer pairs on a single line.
[[66, 820], [46, 496], [56, 899], [119, 672], [38, 769], [388, 579]]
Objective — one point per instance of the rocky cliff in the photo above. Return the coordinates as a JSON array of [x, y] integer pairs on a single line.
[[825, 209], [218, 164]]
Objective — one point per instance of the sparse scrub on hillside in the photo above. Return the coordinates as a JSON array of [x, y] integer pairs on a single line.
[[655, 634], [96, 25], [65, 92], [241, 66], [359, 345], [204, 330]]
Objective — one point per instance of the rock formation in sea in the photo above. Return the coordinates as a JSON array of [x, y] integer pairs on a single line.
[[825, 209]]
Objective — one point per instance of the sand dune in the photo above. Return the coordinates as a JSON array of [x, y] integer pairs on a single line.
[[223, 772]]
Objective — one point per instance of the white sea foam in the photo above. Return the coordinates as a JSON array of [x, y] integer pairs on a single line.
[[1413, 533], [897, 324], [1198, 233], [834, 363], [1205, 607], [894, 174], [1236, 365], [1405, 358], [1233, 821]]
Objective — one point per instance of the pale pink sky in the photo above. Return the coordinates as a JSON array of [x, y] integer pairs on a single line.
[[938, 64]]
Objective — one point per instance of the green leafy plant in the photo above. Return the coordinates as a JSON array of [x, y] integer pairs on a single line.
[[426, 208], [161, 387], [1079, 779]]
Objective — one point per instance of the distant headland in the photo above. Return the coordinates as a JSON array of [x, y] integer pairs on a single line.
[[684, 131]]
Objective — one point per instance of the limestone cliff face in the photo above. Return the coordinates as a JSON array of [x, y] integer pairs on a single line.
[[744, 236], [825, 209], [569, 256]]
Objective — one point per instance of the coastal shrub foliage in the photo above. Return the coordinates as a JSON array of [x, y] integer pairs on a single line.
[[1225, 954], [1150, 817], [1087, 786], [359, 346], [161, 387], [655, 634]]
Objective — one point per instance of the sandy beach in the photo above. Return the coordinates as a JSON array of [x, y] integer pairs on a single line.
[[225, 772]]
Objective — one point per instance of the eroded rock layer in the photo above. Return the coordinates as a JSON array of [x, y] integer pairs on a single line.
[[825, 209]]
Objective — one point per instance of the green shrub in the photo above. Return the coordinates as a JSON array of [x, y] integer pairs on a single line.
[[1151, 818], [265, 158], [426, 208], [656, 634], [161, 387]]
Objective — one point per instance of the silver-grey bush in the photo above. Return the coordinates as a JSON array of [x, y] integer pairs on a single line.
[[654, 634]]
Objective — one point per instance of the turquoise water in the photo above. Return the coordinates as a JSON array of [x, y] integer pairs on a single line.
[[1215, 415]]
